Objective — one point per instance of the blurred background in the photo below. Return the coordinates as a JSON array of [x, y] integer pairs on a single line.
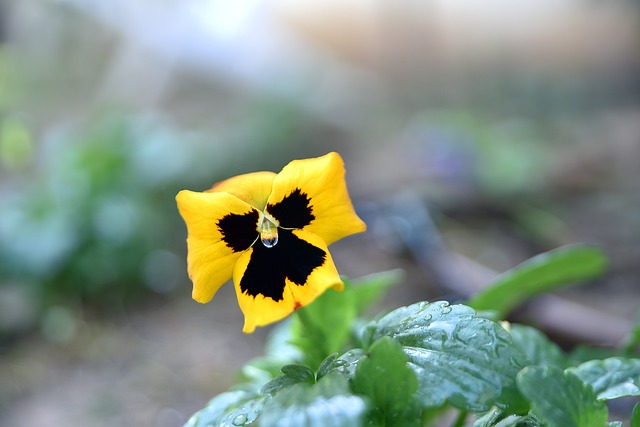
[[475, 135]]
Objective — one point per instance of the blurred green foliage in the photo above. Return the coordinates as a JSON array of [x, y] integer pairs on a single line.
[[90, 216], [88, 213]]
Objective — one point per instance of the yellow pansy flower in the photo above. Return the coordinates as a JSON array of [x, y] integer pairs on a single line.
[[269, 232]]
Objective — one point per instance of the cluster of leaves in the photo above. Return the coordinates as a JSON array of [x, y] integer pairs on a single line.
[[411, 365]]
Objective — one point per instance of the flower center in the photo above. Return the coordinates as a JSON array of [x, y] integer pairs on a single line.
[[268, 233]]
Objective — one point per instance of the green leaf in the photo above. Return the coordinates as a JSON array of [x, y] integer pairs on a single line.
[[301, 373], [543, 273], [560, 398], [496, 418], [235, 408], [293, 374], [323, 327], [583, 353], [611, 378], [278, 352], [489, 419], [369, 289], [536, 346], [326, 365], [516, 421], [278, 343], [384, 377], [635, 416], [326, 403], [458, 357], [344, 365]]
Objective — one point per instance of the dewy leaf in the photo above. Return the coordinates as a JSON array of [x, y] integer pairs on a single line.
[[235, 408], [458, 357], [344, 365], [488, 419], [611, 378], [301, 373], [494, 418], [326, 403], [293, 374], [543, 273], [326, 365], [536, 346], [560, 398], [516, 421], [384, 377]]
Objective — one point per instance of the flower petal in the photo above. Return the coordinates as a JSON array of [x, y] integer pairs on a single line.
[[253, 188], [312, 194], [220, 228], [273, 282]]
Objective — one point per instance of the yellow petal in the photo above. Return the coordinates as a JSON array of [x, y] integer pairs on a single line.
[[211, 254], [264, 300], [253, 188], [313, 192]]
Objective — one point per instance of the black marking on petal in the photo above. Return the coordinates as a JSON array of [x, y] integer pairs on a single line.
[[239, 231], [292, 258], [294, 211]]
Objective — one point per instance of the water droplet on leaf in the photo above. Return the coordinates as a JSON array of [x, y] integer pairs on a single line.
[[240, 420]]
